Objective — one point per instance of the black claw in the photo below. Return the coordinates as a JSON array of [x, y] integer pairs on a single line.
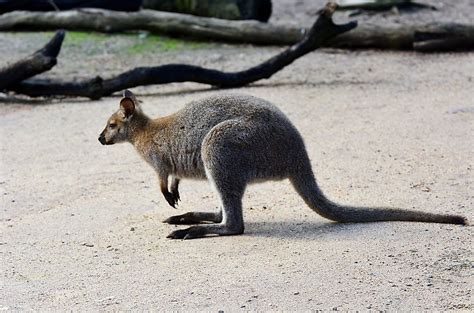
[[175, 194], [171, 199]]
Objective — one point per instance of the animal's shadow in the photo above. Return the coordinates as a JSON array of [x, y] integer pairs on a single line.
[[308, 230]]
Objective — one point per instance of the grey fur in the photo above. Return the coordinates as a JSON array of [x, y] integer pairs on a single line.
[[233, 140]]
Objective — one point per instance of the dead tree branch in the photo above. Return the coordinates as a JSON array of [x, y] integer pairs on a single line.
[[40, 61], [323, 30]]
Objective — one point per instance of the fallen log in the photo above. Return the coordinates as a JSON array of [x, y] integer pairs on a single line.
[[399, 37], [40, 61], [323, 30], [167, 23], [444, 37], [422, 38]]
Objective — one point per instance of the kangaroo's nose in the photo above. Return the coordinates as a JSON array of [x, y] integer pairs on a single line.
[[102, 140]]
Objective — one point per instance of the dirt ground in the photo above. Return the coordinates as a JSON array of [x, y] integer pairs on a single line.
[[81, 223]]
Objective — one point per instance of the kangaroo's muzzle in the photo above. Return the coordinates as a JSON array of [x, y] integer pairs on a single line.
[[102, 140]]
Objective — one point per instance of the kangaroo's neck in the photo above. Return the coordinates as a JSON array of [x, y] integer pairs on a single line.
[[146, 133], [138, 128]]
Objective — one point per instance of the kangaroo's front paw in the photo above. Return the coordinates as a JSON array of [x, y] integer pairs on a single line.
[[188, 233], [171, 198], [175, 194]]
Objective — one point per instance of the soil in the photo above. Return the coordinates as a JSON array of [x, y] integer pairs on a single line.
[[81, 222]]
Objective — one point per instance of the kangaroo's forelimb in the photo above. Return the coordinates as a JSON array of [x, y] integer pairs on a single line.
[[171, 197]]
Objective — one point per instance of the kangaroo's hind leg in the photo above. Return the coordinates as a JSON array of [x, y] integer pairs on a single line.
[[226, 168]]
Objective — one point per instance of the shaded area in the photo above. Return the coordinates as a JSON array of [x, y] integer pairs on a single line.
[[48, 5]]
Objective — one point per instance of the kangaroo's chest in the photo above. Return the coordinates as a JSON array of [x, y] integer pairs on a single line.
[[179, 156]]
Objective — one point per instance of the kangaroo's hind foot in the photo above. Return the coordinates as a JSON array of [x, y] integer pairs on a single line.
[[195, 218], [200, 231]]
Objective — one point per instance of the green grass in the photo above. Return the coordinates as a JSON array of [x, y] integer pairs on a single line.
[[132, 43], [73, 37], [164, 44]]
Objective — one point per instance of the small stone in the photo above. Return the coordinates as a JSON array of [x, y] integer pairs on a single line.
[[132, 228], [86, 244]]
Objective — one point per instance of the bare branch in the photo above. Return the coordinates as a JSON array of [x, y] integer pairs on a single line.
[[40, 61]]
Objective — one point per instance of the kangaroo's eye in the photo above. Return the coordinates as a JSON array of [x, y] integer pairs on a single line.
[[112, 125]]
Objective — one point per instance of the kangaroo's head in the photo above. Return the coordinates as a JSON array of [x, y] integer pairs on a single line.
[[120, 124]]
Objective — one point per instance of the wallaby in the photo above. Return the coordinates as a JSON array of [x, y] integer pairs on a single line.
[[233, 140]]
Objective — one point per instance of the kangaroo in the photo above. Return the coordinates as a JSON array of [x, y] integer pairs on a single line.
[[233, 140]]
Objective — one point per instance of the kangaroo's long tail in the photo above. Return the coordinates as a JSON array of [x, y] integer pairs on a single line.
[[306, 186]]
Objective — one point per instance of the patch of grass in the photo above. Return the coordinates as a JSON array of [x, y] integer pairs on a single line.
[[130, 43], [77, 37], [164, 44], [90, 43]]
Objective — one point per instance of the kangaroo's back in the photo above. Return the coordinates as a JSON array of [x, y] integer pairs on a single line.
[[199, 116]]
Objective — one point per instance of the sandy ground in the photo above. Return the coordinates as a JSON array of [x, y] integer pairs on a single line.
[[81, 223]]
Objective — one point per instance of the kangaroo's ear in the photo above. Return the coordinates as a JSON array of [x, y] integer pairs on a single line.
[[127, 105], [128, 94]]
